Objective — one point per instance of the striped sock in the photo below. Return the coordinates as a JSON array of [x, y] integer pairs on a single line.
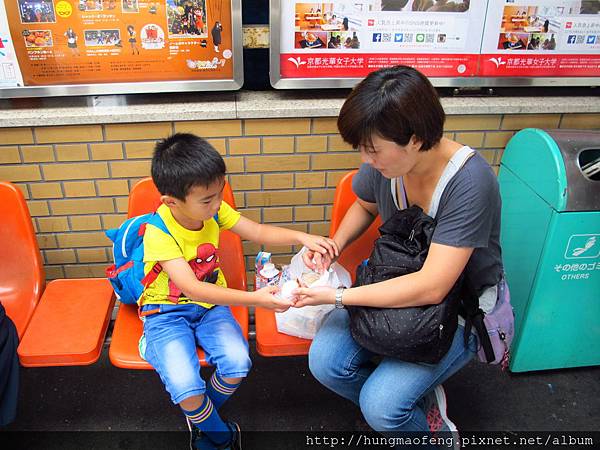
[[207, 419], [219, 391]]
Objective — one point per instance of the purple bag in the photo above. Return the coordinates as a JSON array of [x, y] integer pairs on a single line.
[[500, 325]]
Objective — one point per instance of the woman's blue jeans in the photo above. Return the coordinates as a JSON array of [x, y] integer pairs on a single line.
[[387, 393]]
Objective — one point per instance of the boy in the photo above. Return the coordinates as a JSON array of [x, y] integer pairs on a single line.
[[186, 304]]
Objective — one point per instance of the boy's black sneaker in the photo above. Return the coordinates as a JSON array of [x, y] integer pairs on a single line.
[[202, 441], [236, 438], [195, 434]]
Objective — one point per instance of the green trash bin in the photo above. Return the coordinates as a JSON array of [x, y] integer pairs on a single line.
[[550, 236]]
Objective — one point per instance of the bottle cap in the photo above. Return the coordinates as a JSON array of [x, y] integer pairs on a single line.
[[269, 270]]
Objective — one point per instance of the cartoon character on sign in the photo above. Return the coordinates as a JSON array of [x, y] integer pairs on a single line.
[[133, 40], [204, 266], [72, 41], [216, 35]]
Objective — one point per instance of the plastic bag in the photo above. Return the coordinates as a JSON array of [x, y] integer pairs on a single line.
[[305, 322]]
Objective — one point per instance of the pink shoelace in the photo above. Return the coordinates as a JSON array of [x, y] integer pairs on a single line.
[[434, 419]]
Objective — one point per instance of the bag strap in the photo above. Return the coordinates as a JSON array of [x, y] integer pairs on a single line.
[[474, 318], [456, 162], [454, 165], [152, 275]]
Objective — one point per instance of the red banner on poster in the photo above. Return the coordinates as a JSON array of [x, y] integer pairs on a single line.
[[318, 65], [520, 65]]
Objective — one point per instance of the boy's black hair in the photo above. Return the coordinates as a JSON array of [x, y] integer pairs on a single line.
[[394, 103], [183, 161]]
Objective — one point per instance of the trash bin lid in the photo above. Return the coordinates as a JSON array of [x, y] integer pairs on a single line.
[[580, 150], [550, 163]]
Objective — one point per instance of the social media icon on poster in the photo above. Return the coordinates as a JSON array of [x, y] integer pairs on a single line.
[[569, 25], [376, 37], [398, 37], [571, 39], [591, 39], [371, 22], [420, 37]]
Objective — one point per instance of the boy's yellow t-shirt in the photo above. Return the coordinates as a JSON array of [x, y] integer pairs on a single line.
[[196, 247]]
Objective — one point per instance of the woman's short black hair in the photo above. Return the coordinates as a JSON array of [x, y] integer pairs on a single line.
[[183, 161], [394, 103]]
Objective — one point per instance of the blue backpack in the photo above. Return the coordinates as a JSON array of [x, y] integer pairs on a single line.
[[127, 273]]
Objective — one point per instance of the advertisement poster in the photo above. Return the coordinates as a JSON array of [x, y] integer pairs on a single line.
[[541, 38], [350, 38], [115, 41], [10, 75]]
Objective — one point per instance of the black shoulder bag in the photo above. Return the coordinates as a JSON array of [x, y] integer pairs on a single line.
[[416, 334]]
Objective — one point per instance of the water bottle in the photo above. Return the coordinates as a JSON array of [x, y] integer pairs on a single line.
[[269, 275]]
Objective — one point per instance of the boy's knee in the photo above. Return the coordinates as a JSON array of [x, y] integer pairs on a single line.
[[191, 403], [237, 363]]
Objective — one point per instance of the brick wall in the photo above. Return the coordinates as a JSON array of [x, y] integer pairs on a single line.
[[76, 178]]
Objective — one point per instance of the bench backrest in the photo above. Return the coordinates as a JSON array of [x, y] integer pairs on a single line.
[[361, 248], [22, 271], [144, 198]]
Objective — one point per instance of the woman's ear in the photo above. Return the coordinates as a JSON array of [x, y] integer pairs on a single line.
[[415, 143]]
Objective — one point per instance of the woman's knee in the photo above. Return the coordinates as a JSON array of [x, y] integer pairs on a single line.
[[379, 413], [323, 364]]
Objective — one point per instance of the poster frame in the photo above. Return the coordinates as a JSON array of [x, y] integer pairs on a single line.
[[277, 82], [136, 87]]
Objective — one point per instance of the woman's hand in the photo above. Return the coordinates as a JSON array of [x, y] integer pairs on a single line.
[[265, 298], [322, 251], [321, 295]]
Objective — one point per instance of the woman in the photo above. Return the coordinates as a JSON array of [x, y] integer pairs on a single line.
[[394, 117]]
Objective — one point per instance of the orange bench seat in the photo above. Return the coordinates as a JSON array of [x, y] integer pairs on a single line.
[[69, 324]]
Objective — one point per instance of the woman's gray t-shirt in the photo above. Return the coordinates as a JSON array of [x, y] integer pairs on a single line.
[[468, 214]]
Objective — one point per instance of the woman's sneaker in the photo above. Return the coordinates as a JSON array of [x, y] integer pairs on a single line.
[[435, 407]]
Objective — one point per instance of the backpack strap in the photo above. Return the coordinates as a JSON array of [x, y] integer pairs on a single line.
[[473, 315], [456, 162], [152, 275]]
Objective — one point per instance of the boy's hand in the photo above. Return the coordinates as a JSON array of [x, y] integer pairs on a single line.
[[322, 295], [264, 298], [321, 249]]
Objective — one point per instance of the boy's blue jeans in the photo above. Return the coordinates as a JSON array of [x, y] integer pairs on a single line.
[[387, 393], [171, 338]]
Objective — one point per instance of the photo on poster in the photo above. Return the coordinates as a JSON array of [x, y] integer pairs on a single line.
[[91, 5], [102, 38], [439, 6], [38, 38], [130, 6], [36, 11], [542, 41], [343, 40], [590, 7], [326, 17], [109, 4], [153, 37], [310, 40], [513, 41], [187, 18]]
